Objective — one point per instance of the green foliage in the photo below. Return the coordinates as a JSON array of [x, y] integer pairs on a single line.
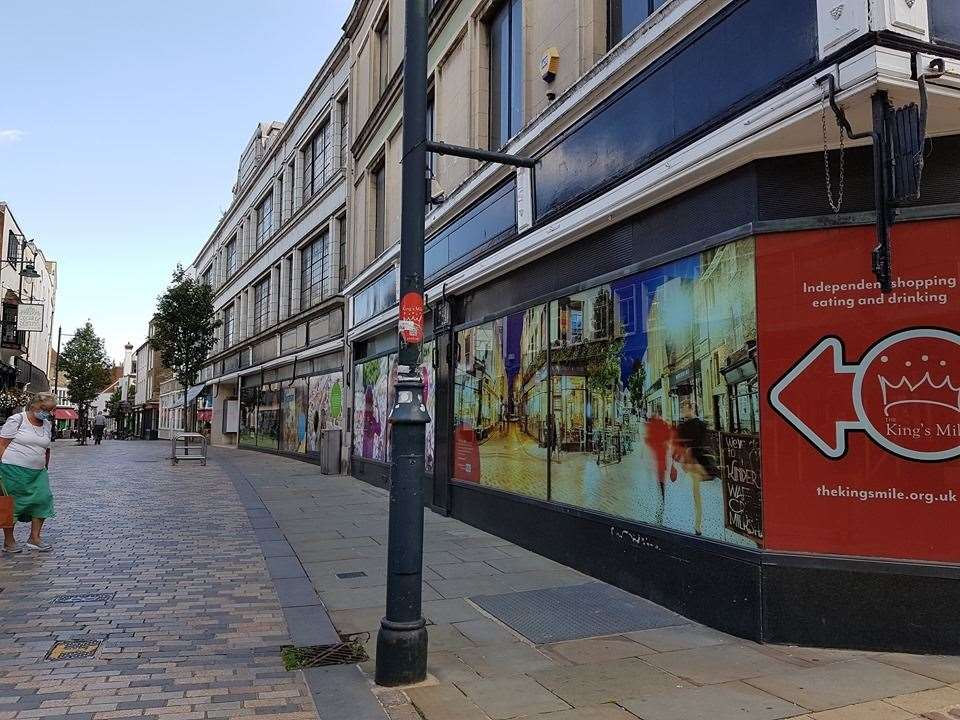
[[184, 326], [603, 372], [635, 385], [113, 404], [85, 363]]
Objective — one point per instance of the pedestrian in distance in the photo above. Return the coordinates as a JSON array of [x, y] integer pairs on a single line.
[[99, 425], [24, 460]]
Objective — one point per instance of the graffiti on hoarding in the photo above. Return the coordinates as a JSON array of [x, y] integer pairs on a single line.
[[742, 494], [900, 393]]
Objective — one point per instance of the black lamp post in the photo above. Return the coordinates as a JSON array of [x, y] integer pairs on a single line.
[[402, 640]]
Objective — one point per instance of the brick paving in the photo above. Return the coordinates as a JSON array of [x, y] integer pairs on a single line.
[[194, 624], [193, 628]]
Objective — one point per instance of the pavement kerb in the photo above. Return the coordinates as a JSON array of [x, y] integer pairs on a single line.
[[340, 692]]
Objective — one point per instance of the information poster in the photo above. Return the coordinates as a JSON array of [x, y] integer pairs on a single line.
[[861, 438]]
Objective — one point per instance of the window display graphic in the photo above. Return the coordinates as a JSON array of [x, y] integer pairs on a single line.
[[324, 410], [639, 397], [901, 394], [370, 409], [374, 390], [861, 452], [291, 415]]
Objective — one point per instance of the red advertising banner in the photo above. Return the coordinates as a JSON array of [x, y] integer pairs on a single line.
[[861, 434]]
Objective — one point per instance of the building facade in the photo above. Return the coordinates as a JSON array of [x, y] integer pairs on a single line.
[[149, 374], [275, 261], [661, 355], [28, 279]]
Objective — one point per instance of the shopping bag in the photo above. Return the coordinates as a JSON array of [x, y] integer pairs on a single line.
[[6, 508]]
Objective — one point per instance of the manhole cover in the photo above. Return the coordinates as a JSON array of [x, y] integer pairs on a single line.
[[91, 597], [348, 652], [73, 649], [348, 575], [576, 611]]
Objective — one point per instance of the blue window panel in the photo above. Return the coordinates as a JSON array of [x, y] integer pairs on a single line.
[[730, 62]]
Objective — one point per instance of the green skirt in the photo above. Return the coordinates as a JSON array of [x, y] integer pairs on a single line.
[[30, 490]]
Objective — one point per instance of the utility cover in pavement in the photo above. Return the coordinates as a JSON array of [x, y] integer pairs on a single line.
[[93, 597], [73, 649], [575, 612]]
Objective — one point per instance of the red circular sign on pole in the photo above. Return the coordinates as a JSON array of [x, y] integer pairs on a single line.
[[411, 318]]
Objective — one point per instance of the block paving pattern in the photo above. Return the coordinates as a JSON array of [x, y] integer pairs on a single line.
[[194, 627]]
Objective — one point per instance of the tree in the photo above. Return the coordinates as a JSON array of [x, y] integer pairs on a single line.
[[184, 328], [85, 363], [113, 404], [603, 372]]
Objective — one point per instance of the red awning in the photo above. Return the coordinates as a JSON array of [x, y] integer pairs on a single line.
[[65, 414]]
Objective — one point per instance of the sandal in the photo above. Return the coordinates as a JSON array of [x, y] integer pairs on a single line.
[[12, 550], [40, 546]]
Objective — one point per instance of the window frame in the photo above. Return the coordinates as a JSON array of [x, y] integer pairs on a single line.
[[652, 6], [378, 184], [264, 221], [261, 305], [319, 140], [505, 12], [314, 270], [382, 31], [230, 256], [343, 108], [229, 325]]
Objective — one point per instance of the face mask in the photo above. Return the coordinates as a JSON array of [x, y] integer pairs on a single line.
[[41, 415]]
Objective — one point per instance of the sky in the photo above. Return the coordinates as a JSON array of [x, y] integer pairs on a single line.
[[121, 126]]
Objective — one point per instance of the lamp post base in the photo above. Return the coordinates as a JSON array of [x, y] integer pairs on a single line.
[[401, 653]]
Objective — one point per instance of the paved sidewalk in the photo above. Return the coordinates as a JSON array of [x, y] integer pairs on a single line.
[[334, 530], [190, 624]]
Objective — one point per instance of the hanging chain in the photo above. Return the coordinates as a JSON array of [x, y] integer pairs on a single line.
[[834, 205]]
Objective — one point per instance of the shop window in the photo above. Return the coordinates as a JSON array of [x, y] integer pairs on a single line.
[[370, 406], [648, 408], [505, 36], [268, 417], [640, 409], [501, 433], [248, 416]]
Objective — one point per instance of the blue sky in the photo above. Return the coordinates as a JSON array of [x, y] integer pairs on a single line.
[[121, 124]]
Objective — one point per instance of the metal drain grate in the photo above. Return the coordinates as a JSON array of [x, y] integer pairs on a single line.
[[348, 652], [73, 649], [93, 597], [575, 612]]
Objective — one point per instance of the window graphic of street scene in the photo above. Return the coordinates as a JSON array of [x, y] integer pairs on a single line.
[[653, 411], [500, 404], [374, 396]]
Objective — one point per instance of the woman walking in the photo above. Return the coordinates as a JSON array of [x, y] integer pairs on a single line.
[[24, 458]]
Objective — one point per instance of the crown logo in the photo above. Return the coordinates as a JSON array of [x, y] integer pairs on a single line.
[[925, 391]]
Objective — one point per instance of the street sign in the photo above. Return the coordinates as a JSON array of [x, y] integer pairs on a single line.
[[30, 317]]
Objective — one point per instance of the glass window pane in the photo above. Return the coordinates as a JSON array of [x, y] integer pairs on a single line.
[[501, 432], [640, 408], [516, 68]]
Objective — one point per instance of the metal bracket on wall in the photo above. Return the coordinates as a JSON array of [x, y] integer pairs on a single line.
[[899, 136]]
